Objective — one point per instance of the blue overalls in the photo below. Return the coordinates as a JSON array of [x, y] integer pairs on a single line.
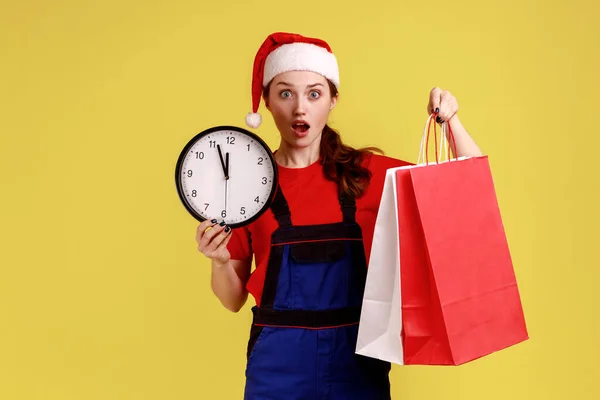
[[303, 336]]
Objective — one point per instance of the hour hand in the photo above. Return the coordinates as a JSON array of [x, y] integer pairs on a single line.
[[222, 161]]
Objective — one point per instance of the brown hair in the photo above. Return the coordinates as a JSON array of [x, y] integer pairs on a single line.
[[341, 163]]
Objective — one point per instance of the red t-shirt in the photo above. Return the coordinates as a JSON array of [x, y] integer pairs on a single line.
[[312, 200]]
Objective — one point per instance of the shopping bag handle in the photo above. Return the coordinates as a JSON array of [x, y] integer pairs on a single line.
[[446, 130]]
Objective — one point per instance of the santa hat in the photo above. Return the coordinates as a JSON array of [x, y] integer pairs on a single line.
[[282, 52]]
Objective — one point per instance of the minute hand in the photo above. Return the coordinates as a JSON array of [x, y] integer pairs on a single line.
[[227, 166]]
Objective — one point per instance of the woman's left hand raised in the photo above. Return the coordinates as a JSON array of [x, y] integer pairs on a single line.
[[443, 103]]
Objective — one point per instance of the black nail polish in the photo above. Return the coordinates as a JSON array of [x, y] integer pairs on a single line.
[[437, 110], [214, 221], [438, 119], [227, 229], [222, 223]]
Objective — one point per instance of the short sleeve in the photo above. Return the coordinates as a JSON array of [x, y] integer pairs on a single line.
[[239, 245], [378, 166], [380, 162]]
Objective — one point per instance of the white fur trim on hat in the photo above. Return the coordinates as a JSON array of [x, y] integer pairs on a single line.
[[301, 57]]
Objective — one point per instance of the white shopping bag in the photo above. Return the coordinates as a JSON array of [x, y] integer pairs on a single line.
[[382, 299], [380, 326]]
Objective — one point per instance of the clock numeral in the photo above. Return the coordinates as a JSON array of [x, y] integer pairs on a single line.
[[230, 140], [264, 180], [260, 161], [190, 173], [256, 199], [243, 210], [223, 213], [213, 143], [194, 193], [200, 155], [206, 208], [248, 147]]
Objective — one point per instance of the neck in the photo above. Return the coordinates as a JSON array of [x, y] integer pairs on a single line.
[[292, 157]]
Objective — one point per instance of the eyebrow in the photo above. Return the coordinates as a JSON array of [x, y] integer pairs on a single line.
[[288, 84]]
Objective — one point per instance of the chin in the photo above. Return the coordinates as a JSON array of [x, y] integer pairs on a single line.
[[299, 143]]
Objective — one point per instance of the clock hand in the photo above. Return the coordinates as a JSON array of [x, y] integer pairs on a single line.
[[227, 166], [226, 181], [226, 178], [222, 162]]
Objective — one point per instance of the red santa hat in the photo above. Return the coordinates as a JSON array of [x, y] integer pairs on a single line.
[[282, 52]]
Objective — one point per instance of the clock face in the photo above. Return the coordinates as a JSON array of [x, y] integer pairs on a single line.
[[228, 174]]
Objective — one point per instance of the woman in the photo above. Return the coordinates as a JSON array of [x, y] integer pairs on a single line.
[[311, 248]]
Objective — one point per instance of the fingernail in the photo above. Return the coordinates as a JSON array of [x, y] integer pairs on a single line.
[[437, 110], [227, 229], [222, 223], [214, 221], [438, 119]]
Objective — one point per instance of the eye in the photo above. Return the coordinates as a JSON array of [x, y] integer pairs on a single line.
[[314, 94], [286, 94]]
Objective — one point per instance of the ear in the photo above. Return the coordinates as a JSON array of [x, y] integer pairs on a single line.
[[333, 102]]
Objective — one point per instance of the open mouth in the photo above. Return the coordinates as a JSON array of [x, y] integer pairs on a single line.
[[300, 127]]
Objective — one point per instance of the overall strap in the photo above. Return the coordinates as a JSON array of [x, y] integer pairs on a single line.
[[281, 210], [348, 204]]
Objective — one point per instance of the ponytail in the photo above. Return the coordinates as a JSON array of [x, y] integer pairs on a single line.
[[343, 164]]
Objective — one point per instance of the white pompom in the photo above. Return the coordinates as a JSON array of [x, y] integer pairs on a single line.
[[253, 120]]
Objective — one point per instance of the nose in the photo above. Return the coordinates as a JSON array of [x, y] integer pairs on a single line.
[[300, 106]]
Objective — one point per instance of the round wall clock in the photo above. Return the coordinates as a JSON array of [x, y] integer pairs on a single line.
[[228, 174]]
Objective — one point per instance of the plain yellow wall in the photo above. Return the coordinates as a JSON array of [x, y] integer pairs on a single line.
[[103, 294]]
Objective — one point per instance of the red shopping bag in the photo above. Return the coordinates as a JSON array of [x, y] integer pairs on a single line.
[[459, 294]]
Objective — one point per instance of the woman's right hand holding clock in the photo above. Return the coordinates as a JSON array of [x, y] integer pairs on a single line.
[[212, 239]]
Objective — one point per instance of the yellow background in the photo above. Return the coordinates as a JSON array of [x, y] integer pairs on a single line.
[[103, 294]]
